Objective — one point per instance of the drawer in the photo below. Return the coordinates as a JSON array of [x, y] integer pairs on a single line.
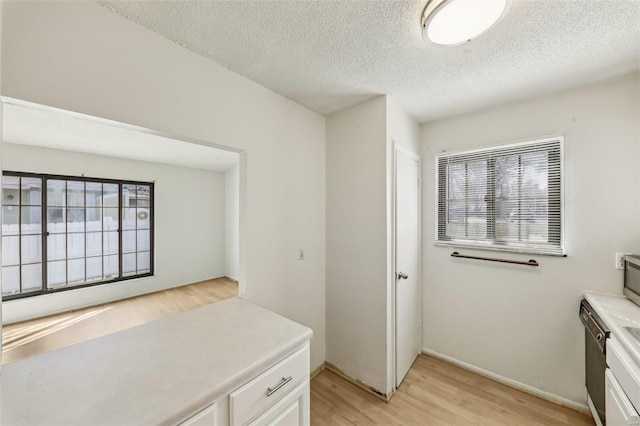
[[619, 410], [292, 410], [253, 398], [625, 370]]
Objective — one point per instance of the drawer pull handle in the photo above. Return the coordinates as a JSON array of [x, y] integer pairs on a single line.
[[283, 382]]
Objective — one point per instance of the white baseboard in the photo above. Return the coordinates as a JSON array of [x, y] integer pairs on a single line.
[[583, 408]]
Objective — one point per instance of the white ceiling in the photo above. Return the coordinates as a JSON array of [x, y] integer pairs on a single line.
[[49, 128], [328, 55]]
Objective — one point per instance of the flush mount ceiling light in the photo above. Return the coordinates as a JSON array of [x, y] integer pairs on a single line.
[[454, 22]]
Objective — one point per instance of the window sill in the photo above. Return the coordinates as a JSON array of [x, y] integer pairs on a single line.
[[497, 248], [33, 294]]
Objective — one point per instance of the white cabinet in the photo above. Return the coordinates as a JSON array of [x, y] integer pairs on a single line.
[[277, 396], [622, 387], [268, 391], [292, 410], [619, 410], [625, 370]]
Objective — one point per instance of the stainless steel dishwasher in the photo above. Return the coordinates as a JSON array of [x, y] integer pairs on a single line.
[[595, 337]]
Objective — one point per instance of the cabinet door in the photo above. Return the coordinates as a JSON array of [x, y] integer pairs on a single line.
[[618, 409], [206, 417], [292, 410]]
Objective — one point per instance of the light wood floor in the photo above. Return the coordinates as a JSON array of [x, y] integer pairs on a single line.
[[24, 339], [435, 393]]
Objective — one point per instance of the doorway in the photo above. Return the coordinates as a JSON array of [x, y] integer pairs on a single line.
[[408, 300], [197, 235]]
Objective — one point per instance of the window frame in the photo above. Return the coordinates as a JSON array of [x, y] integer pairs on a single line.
[[45, 177], [492, 242]]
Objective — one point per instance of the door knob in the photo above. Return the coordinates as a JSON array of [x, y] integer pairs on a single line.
[[401, 276]]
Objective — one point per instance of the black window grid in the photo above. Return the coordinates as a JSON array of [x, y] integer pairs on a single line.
[[20, 264], [44, 233]]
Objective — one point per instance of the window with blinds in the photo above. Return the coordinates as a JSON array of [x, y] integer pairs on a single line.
[[508, 197]]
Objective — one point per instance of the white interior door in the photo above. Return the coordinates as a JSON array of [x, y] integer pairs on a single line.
[[407, 259]]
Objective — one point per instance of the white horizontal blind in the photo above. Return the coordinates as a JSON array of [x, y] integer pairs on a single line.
[[505, 198]]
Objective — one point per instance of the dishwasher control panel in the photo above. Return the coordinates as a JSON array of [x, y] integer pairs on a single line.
[[594, 324]]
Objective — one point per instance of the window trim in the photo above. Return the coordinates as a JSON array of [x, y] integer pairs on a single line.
[[121, 277], [498, 245]]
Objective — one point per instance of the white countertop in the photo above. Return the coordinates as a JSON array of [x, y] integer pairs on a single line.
[[156, 373], [618, 312]]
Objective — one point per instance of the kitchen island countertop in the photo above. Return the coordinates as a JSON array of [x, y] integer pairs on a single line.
[[156, 373]]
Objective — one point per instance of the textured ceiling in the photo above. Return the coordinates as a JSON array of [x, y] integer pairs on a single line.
[[328, 55], [51, 129]]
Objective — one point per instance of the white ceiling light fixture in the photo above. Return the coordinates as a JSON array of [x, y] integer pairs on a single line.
[[454, 22]]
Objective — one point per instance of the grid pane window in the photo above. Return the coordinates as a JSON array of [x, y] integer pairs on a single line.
[[136, 225], [110, 267], [21, 235], [10, 279], [56, 274], [94, 232]]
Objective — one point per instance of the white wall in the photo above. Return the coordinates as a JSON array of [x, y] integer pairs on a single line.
[[402, 130], [401, 127], [232, 223], [357, 242], [82, 57], [189, 224], [521, 322], [360, 268]]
